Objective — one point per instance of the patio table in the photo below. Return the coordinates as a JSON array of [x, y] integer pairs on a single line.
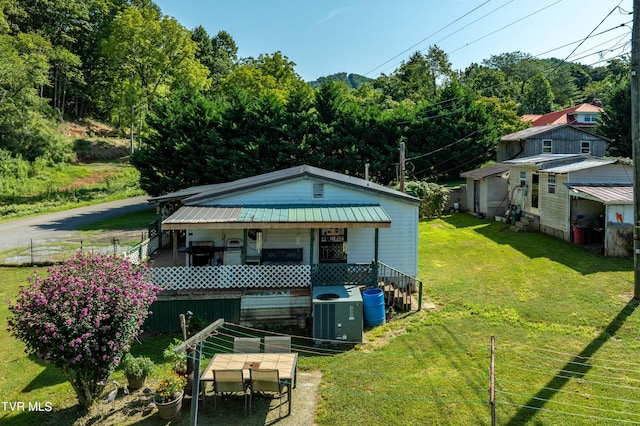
[[285, 363]]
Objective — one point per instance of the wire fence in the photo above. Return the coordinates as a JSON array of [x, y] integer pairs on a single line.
[[533, 385], [47, 252]]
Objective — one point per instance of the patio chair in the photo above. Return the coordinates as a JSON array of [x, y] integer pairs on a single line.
[[228, 383], [268, 381], [246, 345], [277, 344]]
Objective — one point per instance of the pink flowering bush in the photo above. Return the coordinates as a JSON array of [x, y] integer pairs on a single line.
[[82, 317]]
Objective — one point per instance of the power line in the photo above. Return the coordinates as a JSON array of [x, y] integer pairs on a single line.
[[428, 37]]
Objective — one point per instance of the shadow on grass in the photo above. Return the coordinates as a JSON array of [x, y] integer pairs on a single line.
[[539, 245], [50, 376], [575, 369]]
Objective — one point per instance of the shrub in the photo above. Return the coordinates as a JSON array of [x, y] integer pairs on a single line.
[[82, 317], [137, 367], [434, 197]]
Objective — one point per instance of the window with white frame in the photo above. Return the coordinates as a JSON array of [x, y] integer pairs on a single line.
[[547, 146], [523, 178], [318, 190], [551, 183], [585, 147]]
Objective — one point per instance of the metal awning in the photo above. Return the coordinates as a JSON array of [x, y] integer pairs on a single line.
[[278, 216], [606, 194]]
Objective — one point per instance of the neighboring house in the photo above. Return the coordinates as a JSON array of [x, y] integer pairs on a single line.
[[577, 198], [487, 190], [551, 139], [258, 245], [583, 115]]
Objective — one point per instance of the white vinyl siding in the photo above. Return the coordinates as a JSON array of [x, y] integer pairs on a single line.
[[398, 245], [551, 183], [554, 208]]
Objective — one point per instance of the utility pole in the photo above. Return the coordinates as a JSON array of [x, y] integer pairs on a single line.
[[635, 140], [402, 160]]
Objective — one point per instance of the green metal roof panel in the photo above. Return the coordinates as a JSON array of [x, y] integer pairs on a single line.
[[265, 214]]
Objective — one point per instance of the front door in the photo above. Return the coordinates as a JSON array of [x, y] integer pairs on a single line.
[[333, 245], [535, 185]]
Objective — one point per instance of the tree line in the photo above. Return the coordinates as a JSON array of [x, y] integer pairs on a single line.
[[200, 114]]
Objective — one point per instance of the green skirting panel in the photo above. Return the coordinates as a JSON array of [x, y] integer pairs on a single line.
[[166, 313]]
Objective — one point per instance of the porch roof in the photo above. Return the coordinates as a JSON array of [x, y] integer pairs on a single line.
[[603, 193], [278, 216]]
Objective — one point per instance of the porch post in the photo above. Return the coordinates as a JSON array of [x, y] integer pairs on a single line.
[[312, 236], [175, 247], [375, 250], [245, 240]]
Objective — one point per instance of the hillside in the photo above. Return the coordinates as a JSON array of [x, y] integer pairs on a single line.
[[353, 81], [95, 170]]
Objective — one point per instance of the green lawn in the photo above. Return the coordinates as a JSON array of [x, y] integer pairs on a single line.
[[565, 326]]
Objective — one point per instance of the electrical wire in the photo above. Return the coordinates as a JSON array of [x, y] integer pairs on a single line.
[[568, 413], [506, 342], [606, 410], [428, 37]]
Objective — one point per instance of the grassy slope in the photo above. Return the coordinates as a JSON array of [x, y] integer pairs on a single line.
[[545, 301]]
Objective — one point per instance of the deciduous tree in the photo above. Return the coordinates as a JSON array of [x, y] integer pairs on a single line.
[[82, 316]]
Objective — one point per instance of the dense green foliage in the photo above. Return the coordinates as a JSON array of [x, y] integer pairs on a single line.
[[194, 108], [82, 316]]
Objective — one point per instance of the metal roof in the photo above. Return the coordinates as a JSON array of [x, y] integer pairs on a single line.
[[485, 172], [540, 159], [540, 130], [278, 216], [587, 163], [195, 194], [607, 194]]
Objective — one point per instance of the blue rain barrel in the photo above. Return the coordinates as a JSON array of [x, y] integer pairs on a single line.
[[373, 304]]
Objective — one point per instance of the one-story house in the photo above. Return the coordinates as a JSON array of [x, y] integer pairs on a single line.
[[487, 190], [262, 243], [578, 198]]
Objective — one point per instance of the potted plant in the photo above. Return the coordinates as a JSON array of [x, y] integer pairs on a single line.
[[168, 395], [137, 369], [179, 361]]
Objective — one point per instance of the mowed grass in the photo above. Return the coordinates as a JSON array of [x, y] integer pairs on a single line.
[[564, 321]]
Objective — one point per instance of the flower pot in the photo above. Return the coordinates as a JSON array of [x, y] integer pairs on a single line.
[[136, 383], [169, 410]]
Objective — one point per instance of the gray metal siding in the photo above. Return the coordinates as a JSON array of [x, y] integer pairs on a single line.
[[566, 140], [610, 173]]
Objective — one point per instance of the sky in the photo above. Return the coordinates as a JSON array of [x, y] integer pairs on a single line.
[[371, 37]]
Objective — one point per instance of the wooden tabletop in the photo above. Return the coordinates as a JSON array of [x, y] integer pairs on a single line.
[[285, 363]]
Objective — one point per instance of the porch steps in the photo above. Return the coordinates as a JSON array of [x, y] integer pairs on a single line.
[[525, 224], [399, 298]]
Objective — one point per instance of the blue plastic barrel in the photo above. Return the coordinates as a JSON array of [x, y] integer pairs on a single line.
[[373, 304]]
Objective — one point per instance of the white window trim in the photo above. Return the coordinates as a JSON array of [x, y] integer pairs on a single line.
[[523, 178], [549, 146], [551, 186], [588, 144]]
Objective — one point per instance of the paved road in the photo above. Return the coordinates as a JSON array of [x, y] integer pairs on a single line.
[[63, 225]]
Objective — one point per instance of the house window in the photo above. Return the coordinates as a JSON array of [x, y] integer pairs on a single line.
[[585, 147], [551, 183], [547, 146], [318, 191], [523, 178]]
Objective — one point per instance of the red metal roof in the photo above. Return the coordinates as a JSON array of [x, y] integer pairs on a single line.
[[564, 116]]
